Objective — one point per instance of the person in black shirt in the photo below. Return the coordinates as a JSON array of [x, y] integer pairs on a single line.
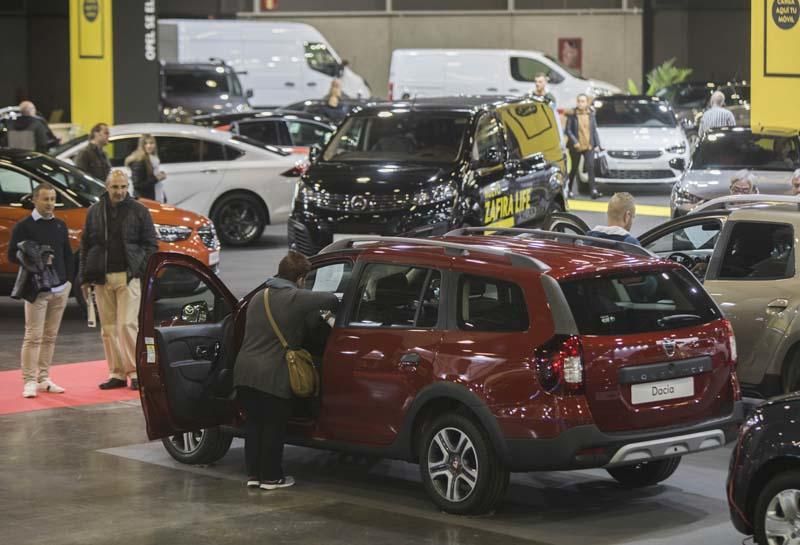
[[43, 315], [92, 159], [117, 240]]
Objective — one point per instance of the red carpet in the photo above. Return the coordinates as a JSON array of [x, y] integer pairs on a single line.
[[80, 381]]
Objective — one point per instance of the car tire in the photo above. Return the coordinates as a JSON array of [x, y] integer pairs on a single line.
[[790, 373], [781, 489], [645, 473], [564, 222], [459, 467], [204, 446], [240, 219]]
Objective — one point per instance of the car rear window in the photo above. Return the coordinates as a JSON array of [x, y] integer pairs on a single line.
[[638, 302]]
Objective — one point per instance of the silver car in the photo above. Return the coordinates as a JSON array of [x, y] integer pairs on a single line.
[[721, 153]]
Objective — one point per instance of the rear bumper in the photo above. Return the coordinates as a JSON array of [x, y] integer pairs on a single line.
[[588, 446]]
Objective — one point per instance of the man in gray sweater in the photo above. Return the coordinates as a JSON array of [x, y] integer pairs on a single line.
[[260, 374]]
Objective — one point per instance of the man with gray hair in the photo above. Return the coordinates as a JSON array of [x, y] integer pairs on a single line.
[[28, 131], [743, 182], [716, 115]]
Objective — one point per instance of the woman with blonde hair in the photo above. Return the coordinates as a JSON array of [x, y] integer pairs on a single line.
[[146, 175]]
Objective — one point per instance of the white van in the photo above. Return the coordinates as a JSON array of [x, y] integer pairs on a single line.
[[438, 72], [281, 62]]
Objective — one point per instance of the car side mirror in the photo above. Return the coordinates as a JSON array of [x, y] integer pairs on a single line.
[[677, 163], [490, 158], [27, 201], [314, 153], [248, 93], [195, 313]]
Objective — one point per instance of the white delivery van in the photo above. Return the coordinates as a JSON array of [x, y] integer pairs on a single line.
[[281, 62], [438, 72]]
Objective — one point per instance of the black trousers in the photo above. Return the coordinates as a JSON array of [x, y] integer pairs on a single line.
[[267, 416], [588, 161]]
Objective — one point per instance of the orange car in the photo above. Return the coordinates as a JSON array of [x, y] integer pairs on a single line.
[[20, 171]]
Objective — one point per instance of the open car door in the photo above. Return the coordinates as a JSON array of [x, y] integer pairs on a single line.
[[186, 338]]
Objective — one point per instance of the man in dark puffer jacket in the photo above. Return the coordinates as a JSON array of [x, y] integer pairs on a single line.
[[117, 241]]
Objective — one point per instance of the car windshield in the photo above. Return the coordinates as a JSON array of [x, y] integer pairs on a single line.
[[575, 72], [633, 113], [686, 96], [203, 82], [399, 136], [734, 150], [74, 181]]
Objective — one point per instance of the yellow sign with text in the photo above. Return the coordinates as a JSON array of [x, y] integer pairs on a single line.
[[91, 62], [507, 206], [775, 64]]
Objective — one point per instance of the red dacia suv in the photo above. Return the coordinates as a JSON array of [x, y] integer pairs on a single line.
[[473, 355]]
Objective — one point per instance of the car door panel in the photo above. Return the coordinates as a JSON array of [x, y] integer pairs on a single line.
[[192, 180], [186, 331]]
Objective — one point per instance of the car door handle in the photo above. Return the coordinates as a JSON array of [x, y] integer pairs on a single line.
[[513, 90], [492, 89], [312, 83], [777, 305], [289, 84], [209, 171], [411, 359], [202, 352]]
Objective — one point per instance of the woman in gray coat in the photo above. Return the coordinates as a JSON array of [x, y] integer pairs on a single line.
[[260, 374]]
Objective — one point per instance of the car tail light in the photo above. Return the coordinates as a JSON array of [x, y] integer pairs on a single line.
[[226, 128], [559, 364], [731, 342], [391, 91], [296, 171]]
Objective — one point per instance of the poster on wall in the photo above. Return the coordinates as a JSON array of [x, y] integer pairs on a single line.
[[570, 54]]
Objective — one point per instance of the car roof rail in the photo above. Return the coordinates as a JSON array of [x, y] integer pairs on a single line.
[[459, 249], [720, 202], [571, 238]]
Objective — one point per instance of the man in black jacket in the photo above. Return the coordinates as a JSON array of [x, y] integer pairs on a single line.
[[43, 314], [29, 122], [92, 159], [117, 241]]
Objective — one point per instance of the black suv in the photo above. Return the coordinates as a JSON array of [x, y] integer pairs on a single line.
[[191, 89], [424, 167]]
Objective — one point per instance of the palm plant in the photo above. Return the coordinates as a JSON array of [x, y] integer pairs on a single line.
[[660, 77]]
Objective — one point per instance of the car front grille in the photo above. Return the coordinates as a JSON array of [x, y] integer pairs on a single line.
[[300, 240], [639, 174], [360, 203], [208, 235], [635, 154]]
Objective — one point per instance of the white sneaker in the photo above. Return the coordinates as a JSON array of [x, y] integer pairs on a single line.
[[48, 385], [286, 482], [29, 390]]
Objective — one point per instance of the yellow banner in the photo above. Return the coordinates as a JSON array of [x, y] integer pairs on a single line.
[[91, 62], [775, 64]]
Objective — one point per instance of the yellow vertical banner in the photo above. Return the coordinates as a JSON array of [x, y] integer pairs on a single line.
[[91, 62], [775, 64]]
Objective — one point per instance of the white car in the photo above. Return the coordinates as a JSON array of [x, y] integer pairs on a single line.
[[239, 183], [441, 72], [642, 139]]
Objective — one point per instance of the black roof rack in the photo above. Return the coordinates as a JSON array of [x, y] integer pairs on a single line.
[[626, 247], [453, 247]]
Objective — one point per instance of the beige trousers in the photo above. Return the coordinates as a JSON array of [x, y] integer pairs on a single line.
[[42, 320], [118, 307]]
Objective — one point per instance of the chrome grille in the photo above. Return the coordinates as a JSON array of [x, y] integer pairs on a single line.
[[639, 174], [635, 154], [208, 235], [360, 203]]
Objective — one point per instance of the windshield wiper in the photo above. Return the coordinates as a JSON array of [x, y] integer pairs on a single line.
[[677, 318]]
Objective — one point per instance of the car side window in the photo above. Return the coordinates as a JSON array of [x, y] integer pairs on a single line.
[[13, 186], [173, 149], [490, 304], [306, 134], [488, 140], [320, 59], [759, 251], [689, 238], [182, 297], [526, 69], [119, 148], [232, 153], [265, 132], [333, 278], [397, 296], [211, 151]]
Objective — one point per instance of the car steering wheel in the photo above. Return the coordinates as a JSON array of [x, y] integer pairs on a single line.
[[682, 259]]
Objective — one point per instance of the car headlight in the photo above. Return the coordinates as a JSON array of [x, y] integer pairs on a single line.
[[172, 233], [681, 196], [434, 194], [303, 192], [678, 148]]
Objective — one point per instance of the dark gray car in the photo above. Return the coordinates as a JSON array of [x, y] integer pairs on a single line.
[[190, 89]]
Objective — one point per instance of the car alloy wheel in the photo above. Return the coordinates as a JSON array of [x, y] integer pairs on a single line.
[[204, 446], [240, 218], [782, 518], [188, 443], [453, 465]]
